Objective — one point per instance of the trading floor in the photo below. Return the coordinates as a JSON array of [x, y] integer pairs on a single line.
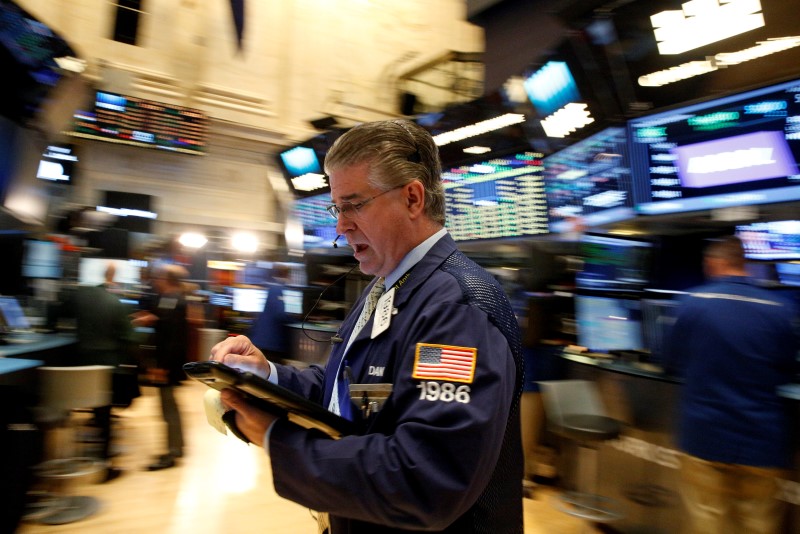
[[221, 485]]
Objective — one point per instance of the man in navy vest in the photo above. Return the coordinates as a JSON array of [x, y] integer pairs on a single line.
[[733, 343]]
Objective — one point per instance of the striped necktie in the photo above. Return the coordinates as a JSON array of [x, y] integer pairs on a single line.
[[340, 398], [369, 306]]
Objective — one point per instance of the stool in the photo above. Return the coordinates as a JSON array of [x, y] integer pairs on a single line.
[[575, 411], [63, 390]]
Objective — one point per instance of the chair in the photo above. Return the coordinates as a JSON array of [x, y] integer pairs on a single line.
[[62, 390], [575, 411]]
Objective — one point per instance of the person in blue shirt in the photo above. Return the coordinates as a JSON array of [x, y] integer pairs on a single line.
[[442, 452], [270, 332], [733, 343]]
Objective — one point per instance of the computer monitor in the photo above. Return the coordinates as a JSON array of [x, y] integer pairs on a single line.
[[41, 259], [12, 314], [293, 301], [609, 323], [772, 241], [91, 271], [615, 263], [248, 300]]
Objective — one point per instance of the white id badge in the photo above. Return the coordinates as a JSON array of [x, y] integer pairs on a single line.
[[383, 314]]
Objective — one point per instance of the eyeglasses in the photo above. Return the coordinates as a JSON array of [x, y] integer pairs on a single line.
[[349, 210]]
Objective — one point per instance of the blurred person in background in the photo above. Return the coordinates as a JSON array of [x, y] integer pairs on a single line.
[[167, 315], [270, 331], [733, 343], [105, 337]]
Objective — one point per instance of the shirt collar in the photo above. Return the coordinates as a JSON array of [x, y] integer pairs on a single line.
[[413, 257]]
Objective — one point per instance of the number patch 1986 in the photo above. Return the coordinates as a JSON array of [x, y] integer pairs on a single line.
[[446, 392]]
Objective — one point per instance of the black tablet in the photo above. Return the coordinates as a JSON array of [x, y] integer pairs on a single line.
[[272, 398]]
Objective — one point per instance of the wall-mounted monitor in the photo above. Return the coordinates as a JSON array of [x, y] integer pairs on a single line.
[[590, 181], [774, 240], [551, 87], [497, 198], [302, 168], [145, 123], [134, 211], [608, 323], [733, 151], [57, 163]]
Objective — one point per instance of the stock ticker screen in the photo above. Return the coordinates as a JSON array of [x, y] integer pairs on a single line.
[[589, 180], [139, 122], [497, 198], [733, 151]]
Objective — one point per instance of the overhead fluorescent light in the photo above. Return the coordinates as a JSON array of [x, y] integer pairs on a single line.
[[477, 149], [726, 59], [702, 22], [489, 125]]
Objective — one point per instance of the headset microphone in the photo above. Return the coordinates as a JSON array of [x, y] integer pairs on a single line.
[[335, 240]]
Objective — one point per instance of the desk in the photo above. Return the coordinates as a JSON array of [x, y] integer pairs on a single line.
[[47, 347], [13, 371]]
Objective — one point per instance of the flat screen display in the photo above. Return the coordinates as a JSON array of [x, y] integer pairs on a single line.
[[293, 301], [57, 163], [496, 198], [146, 123], [788, 273], [13, 315], [613, 263], [41, 259], [738, 150], [590, 180], [134, 211], [319, 228], [92, 271], [302, 168], [250, 300], [774, 240], [606, 323]]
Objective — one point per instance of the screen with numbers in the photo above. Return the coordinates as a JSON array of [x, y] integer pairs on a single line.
[[496, 198], [733, 151]]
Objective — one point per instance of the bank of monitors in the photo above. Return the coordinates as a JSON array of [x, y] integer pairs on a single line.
[[772, 241], [608, 323], [589, 180], [496, 198], [738, 150], [615, 263]]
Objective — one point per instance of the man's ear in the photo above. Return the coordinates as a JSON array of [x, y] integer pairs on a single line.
[[415, 198]]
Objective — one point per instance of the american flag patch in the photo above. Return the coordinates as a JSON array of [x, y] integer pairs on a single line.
[[445, 362]]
